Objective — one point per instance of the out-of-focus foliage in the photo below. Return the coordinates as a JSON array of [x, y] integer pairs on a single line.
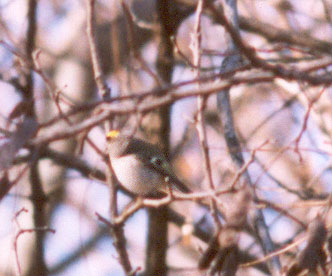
[[52, 141]]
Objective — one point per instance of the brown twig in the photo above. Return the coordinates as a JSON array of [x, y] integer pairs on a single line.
[[201, 105], [277, 69], [230, 21], [305, 122], [105, 93]]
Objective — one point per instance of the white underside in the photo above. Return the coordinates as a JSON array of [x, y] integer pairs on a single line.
[[139, 179]]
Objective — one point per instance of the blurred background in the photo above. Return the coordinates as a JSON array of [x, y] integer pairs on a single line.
[[52, 177]]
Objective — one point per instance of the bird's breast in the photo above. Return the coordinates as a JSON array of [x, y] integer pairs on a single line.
[[137, 177]]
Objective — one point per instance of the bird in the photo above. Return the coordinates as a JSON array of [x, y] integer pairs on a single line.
[[141, 167]]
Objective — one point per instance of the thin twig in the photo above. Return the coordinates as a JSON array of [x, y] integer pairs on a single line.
[[105, 93], [201, 105], [229, 19]]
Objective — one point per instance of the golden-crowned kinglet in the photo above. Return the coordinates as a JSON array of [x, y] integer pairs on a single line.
[[140, 167]]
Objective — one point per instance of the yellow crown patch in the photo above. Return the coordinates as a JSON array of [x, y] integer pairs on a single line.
[[112, 134]]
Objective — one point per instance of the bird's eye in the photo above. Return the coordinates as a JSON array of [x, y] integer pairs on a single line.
[[157, 161]]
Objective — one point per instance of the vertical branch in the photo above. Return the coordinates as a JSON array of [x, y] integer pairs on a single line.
[[158, 128], [104, 91], [233, 144], [201, 104], [133, 44], [38, 197], [30, 45]]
